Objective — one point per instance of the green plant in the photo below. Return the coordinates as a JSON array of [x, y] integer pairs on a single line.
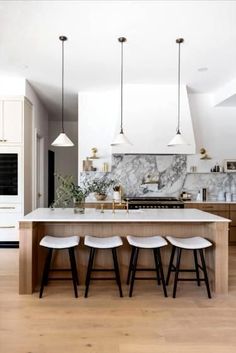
[[99, 185], [67, 191]]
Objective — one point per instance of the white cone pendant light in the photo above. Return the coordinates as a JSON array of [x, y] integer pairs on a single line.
[[121, 139], [178, 139], [62, 140]]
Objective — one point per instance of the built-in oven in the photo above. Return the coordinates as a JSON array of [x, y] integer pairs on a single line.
[[8, 174]]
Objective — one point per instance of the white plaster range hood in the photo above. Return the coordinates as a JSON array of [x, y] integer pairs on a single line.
[[150, 120], [150, 117]]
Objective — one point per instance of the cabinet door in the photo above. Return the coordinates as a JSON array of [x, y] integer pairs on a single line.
[[12, 121]]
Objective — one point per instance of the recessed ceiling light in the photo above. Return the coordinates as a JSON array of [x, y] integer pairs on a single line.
[[202, 69]]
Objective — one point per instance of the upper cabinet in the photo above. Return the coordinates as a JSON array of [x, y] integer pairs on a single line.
[[11, 121]]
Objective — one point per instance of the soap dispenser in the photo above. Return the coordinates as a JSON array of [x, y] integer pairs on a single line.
[[199, 196]]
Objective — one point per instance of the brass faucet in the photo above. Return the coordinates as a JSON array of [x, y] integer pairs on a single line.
[[127, 205], [113, 206]]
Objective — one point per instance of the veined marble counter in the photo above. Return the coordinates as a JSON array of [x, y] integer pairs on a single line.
[[141, 215]]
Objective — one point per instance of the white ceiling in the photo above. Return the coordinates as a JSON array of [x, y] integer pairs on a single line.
[[29, 45]]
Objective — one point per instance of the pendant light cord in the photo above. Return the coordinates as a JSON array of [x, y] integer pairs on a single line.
[[121, 90], [178, 126], [62, 89]]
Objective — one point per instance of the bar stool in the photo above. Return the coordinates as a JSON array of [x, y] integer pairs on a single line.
[[59, 243], [194, 244], [154, 243], [95, 243]]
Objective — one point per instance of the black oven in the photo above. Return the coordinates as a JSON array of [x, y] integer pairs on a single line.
[[8, 174]]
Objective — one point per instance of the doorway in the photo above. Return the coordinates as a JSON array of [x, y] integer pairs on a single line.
[[51, 177], [39, 190]]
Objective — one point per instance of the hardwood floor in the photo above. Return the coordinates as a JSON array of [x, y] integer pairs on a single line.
[[105, 323]]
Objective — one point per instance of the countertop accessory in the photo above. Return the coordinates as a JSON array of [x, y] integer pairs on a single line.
[[178, 139], [62, 140], [121, 139]]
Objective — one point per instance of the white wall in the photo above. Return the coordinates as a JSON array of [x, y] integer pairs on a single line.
[[40, 127], [150, 121], [214, 129], [66, 158], [12, 86]]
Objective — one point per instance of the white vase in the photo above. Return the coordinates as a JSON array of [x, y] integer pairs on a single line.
[[116, 196]]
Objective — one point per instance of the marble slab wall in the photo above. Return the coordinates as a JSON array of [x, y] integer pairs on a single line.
[[162, 175], [150, 175]]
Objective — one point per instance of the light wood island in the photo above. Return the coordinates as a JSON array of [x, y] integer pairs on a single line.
[[177, 222]]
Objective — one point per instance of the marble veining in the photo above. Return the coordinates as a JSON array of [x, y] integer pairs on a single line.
[[150, 175], [163, 175]]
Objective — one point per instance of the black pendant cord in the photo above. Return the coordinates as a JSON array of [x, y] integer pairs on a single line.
[[178, 127], [62, 89], [121, 90], [121, 40]]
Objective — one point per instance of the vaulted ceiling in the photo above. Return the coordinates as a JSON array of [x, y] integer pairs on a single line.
[[29, 45]]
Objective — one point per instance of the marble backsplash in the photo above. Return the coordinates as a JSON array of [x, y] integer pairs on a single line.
[[162, 175]]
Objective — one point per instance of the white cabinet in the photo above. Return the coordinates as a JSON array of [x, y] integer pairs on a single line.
[[9, 216], [11, 121], [16, 136]]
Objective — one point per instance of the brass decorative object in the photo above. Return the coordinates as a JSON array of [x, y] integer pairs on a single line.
[[94, 152], [204, 154]]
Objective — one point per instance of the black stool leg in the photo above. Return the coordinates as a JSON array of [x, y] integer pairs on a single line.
[[89, 271], [205, 273], [130, 264], [73, 270], [134, 265], [45, 272], [158, 255], [177, 271], [157, 266], [196, 267], [117, 272], [170, 264]]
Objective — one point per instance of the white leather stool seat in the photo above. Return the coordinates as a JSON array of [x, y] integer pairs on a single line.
[[59, 242], [189, 243], [102, 243], [147, 242]]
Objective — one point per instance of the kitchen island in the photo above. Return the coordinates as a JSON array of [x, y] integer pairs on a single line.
[[177, 222]]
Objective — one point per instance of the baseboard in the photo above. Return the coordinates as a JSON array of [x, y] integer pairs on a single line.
[[9, 244]]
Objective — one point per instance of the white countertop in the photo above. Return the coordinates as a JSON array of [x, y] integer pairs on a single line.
[[147, 215]]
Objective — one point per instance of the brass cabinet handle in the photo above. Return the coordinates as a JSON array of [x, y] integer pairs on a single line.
[[4, 227]]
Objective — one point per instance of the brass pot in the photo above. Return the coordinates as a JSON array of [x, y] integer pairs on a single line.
[[100, 197]]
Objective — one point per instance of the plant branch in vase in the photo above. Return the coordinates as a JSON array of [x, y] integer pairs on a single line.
[[67, 192], [99, 186]]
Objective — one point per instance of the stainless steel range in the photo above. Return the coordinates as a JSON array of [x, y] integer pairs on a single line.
[[154, 202]]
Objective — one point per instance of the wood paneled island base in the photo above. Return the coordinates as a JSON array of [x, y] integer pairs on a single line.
[[181, 223]]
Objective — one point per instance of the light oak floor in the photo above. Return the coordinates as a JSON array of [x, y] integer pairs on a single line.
[[105, 323]]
